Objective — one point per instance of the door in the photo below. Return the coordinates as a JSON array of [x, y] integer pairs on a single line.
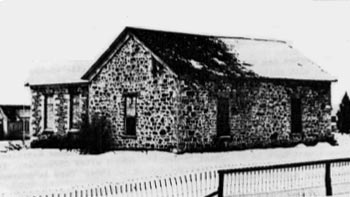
[[296, 115], [223, 126]]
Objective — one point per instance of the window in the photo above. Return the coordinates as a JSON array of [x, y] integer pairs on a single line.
[[49, 117], [2, 134], [296, 115], [74, 111], [130, 114], [26, 124], [223, 115]]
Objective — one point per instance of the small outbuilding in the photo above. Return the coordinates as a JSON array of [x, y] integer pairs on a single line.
[[14, 121]]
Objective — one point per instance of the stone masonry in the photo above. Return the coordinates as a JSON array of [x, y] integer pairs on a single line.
[[133, 70], [61, 95], [260, 111], [174, 113]]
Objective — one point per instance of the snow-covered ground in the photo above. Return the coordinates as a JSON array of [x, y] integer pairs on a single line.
[[34, 169]]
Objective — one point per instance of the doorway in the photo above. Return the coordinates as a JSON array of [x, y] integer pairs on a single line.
[[296, 115], [2, 134], [223, 113]]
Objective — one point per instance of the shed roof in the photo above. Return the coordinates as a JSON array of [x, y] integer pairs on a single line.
[[68, 72]]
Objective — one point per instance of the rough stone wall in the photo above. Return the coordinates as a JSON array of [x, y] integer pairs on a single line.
[[260, 112], [133, 70], [265, 112], [197, 117], [61, 95], [36, 112]]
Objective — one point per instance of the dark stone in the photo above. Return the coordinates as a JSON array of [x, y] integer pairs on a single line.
[[162, 132]]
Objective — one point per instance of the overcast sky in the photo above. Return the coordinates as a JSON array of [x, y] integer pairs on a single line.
[[45, 33]]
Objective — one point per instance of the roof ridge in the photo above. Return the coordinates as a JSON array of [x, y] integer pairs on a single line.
[[209, 35], [255, 39]]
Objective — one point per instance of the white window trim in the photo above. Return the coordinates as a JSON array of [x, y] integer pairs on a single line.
[[43, 114], [70, 129]]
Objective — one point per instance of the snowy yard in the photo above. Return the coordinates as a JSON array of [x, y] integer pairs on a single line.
[[35, 169]]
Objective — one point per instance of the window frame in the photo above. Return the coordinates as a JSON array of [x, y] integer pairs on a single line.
[[72, 94], [132, 95], [296, 116], [45, 123], [220, 125]]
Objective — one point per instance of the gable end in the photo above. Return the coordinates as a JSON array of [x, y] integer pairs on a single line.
[[113, 49], [108, 54]]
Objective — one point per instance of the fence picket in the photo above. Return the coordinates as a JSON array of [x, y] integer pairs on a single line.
[[192, 188], [205, 177], [153, 188], [148, 189], [139, 191], [211, 175], [161, 187], [179, 190], [195, 183], [168, 189], [186, 192]]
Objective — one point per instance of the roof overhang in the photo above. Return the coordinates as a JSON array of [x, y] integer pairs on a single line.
[[58, 84]]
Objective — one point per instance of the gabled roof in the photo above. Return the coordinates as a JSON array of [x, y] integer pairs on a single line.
[[198, 58], [205, 57], [183, 53]]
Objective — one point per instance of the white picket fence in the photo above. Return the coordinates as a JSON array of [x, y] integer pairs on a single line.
[[300, 181], [293, 179], [190, 185]]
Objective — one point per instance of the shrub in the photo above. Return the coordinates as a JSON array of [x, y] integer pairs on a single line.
[[329, 137], [48, 141], [95, 137], [310, 141]]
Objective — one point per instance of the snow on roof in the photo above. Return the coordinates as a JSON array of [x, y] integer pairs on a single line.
[[196, 64], [201, 58], [59, 73], [230, 56], [197, 58], [275, 59]]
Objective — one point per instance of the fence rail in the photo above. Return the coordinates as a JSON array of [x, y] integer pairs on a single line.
[[316, 178]]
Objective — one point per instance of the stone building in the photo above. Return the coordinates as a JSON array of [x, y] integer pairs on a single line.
[[164, 90]]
